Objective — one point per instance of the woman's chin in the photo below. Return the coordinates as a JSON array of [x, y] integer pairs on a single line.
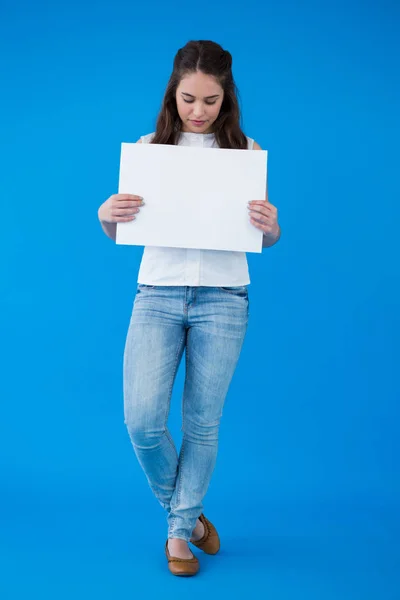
[[191, 128]]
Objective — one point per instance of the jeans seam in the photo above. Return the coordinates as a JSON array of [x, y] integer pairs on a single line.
[[170, 393], [179, 484], [184, 395], [194, 296], [178, 491]]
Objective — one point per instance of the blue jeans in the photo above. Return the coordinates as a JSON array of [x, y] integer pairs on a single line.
[[210, 323]]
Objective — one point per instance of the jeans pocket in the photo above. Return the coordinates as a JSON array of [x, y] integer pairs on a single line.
[[144, 286], [238, 289]]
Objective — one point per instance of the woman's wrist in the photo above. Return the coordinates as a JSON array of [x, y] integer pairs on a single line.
[[270, 238]]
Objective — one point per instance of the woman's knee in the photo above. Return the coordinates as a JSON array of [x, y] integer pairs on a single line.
[[201, 431], [144, 436], [143, 430]]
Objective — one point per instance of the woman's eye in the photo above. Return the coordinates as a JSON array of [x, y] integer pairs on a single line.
[[191, 102]]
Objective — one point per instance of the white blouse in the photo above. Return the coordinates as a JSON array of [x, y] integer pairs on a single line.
[[188, 266]]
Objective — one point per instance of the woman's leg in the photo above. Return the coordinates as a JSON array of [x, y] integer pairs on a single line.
[[217, 320], [154, 346]]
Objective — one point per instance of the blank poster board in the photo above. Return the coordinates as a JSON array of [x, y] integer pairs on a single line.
[[194, 197]]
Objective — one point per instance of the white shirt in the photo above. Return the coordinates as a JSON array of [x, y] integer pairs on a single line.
[[188, 266]]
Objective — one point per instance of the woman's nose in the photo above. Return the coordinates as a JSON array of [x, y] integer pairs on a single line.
[[198, 110]]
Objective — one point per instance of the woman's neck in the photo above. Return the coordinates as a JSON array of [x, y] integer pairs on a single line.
[[196, 132]]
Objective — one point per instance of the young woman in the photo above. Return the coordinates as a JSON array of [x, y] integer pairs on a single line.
[[186, 299]]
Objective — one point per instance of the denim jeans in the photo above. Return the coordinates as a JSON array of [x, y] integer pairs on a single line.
[[210, 324]]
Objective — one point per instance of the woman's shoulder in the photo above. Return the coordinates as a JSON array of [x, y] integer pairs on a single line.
[[146, 139], [252, 144]]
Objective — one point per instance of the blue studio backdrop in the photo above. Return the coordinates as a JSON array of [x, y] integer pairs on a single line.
[[306, 489]]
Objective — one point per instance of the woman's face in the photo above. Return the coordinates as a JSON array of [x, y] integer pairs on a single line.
[[198, 99]]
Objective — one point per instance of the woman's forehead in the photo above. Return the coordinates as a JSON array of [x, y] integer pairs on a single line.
[[199, 84]]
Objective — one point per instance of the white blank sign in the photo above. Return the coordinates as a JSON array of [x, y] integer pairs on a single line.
[[194, 197]]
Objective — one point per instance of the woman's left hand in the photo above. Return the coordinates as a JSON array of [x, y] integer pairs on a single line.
[[264, 216]]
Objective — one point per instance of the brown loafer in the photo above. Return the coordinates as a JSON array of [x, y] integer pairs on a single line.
[[183, 567], [210, 542]]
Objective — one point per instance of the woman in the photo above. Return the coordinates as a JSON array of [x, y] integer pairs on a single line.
[[193, 300]]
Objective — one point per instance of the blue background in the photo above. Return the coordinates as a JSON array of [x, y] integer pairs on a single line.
[[306, 490]]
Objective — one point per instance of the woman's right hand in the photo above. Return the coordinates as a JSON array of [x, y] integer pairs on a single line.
[[120, 208]]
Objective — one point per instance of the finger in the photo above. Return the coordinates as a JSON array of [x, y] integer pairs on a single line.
[[123, 212], [262, 216], [264, 228], [122, 219], [261, 203], [260, 209], [262, 206], [258, 219], [128, 197], [265, 221], [127, 204], [256, 224], [269, 211], [271, 207]]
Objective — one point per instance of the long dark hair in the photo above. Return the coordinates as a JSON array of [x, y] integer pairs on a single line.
[[211, 59]]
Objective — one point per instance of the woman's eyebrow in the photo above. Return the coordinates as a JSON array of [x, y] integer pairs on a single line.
[[206, 98]]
